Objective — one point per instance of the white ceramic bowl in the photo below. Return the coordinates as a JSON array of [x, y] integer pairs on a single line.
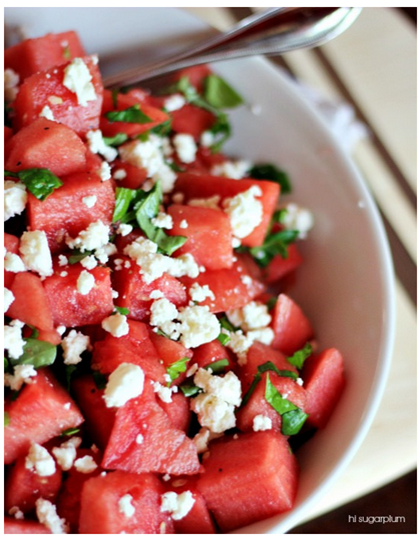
[[346, 283]]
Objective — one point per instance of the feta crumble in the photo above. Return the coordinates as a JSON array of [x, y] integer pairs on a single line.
[[261, 423], [185, 147], [298, 218], [65, 455], [178, 505], [47, 113], [96, 144], [11, 85], [46, 513], [89, 262], [124, 229], [198, 326], [22, 373], [74, 344], [211, 202], [40, 461], [183, 224], [143, 154], [245, 211], [125, 382], [163, 220], [15, 198], [116, 324], [200, 293], [119, 174], [8, 299], [254, 315], [104, 171], [13, 341], [90, 201], [85, 282], [85, 465], [78, 79], [125, 506], [16, 512], [231, 169], [94, 237], [174, 102]]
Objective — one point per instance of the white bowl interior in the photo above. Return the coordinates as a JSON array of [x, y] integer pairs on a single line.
[[345, 286]]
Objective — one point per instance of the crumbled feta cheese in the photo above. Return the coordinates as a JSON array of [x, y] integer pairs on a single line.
[[74, 344], [63, 273], [246, 279], [245, 211], [89, 262], [85, 465], [200, 293], [162, 315], [198, 326], [164, 393], [231, 169], [174, 102], [178, 505], [207, 139], [298, 218], [94, 237], [104, 171], [226, 388], [77, 79], [15, 198], [116, 324], [11, 85], [90, 201], [103, 253], [143, 154], [65, 455], [40, 461], [119, 174], [163, 220], [139, 439], [185, 147], [254, 315], [212, 202], [125, 382], [156, 294], [125, 507], [192, 370], [236, 242], [124, 229], [47, 113], [261, 423], [13, 341], [62, 260], [178, 198], [55, 100], [61, 329], [22, 373], [265, 335], [153, 264], [166, 176], [85, 282], [46, 513], [203, 438], [183, 224], [8, 299], [16, 512], [97, 144], [299, 381]]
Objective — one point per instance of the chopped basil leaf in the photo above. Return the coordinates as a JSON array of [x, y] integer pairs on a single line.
[[116, 140], [223, 338], [271, 303], [270, 172], [69, 432], [221, 130], [6, 418], [300, 356], [77, 256], [163, 129], [293, 418], [189, 389], [7, 367], [121, 310], [36, 352], [226, 324], [262, 368], [123, 199], [220, 94], [41, 182], [218, 367], [35, 332], [66, 53], [143, 137], [168, 244], [70, 369], [100, 380], [174, 166], [177, 368], [133, 114], [274, 244], [114, 95]]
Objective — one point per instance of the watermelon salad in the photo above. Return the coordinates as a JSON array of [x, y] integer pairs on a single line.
[[159, 376]]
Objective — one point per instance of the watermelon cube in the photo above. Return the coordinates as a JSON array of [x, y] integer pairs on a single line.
[[292, 329], [101, 511], [192, 120], [42, 411], [11, 244], [248, 478], [279, 267], [46, 144]]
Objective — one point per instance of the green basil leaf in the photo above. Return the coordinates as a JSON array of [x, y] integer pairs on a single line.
[[270, 172], [6, 418], [121, 310], [226, 324], [163, 129], [77, 256], [133, 114], [274, 244], [41, 182], [114, 95], [123, 199], [222, 131], [219, 93], [10, 174], [70, 369], [223, 338], [36, 352], [69, 432], [116, 140], [168, 244], [176, 368], [262, 368], [7, 367], [66, 53], [189, 389], [271, 303], [100, 380], [299, 357], [292, 421], [218, 367]]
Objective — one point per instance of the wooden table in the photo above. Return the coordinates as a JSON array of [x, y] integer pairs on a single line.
[[372, 66]]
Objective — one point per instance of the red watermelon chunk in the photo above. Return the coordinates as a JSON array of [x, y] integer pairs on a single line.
[[192, 120], [31, 303], [64, 211], [24, 486], [291, 327], [324, 382], [46, 89], [257, 471], [280, 267], [195, 74], [99, 418], [178, 410], [40, 53], [39, 413], [163, 448], [134, 293], [232, 288], [15, 526], [135, 348], [72, 309], [127, 175], [258, 405], [100, 510], [205, 186], [208, 232], [11, 244], [46, 144], [125, 101]]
